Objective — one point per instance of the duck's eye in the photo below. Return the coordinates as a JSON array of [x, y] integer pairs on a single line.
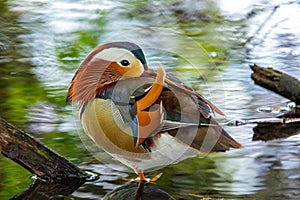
[[125, 63]]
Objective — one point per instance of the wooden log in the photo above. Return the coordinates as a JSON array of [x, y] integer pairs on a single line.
[[277, 81], [36, 157]]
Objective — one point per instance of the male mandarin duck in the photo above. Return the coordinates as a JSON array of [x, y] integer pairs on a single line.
[[144, 118]]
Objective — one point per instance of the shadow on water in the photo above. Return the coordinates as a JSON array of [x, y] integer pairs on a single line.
[[41, 190], [42, 43]]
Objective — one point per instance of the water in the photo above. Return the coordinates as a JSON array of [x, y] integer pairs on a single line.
[[43, 42]]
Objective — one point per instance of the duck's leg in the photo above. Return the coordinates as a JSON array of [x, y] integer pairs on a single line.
[[142, 181], [140, 175]]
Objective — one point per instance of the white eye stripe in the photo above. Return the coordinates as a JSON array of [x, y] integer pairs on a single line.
[[124, 58], [116, 55]]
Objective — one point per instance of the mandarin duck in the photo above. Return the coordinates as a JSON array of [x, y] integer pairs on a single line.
[[142, 117]]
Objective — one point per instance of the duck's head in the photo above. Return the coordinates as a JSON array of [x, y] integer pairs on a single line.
[[103, 66]]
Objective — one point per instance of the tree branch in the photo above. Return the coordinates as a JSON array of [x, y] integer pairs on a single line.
[[277, 82], [34, 156]]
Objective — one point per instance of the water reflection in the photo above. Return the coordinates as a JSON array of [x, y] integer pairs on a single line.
[[42, 43]]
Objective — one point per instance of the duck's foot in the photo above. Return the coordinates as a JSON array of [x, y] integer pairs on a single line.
[[142, 179], [146, 180], [155, 178]]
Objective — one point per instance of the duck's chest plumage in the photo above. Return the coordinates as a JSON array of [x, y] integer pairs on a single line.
[[103, 120]]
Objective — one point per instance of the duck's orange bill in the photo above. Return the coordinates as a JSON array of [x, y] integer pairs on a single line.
[[148, 121]]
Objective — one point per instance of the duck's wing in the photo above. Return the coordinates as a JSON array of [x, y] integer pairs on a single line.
[[205, 105], [188, 124], [188, 118], [179, 111]]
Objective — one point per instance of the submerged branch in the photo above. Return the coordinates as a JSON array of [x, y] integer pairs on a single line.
[[269, 131], [128, 192], [41, 190]]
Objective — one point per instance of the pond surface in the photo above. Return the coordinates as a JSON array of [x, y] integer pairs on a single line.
[[43, 42]]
